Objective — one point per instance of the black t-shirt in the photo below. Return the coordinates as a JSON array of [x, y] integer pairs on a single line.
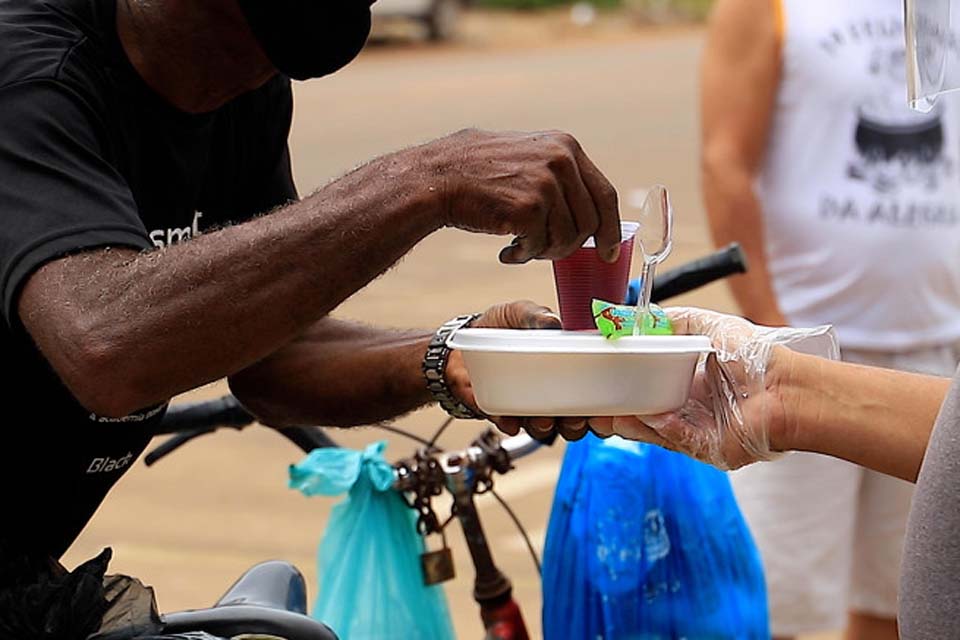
[[91, 157]]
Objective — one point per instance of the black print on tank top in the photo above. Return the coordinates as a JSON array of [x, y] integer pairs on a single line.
[[895, 146]]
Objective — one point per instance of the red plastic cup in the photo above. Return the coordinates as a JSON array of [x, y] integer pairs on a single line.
[[583, 276]]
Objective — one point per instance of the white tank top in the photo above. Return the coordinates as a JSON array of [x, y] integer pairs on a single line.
[[861, 195]]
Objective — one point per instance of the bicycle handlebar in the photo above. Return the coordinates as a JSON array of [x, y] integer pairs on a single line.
[[220, 412], [726, 262]]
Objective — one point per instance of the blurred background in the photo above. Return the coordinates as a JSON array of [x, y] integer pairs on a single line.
[[620, 76]]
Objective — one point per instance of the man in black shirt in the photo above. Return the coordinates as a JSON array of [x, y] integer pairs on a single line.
[[129, 127]]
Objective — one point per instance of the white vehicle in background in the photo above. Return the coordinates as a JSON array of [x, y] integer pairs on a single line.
[[439, 17]]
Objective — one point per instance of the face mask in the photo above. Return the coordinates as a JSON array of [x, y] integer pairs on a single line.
[[309, 38]]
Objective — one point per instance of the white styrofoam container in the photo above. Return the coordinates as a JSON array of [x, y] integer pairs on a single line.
[[562, 373]]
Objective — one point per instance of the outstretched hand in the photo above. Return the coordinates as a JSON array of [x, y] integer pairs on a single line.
[[736, 413]]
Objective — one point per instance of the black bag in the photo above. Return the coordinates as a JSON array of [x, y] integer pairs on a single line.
[[41, 600]]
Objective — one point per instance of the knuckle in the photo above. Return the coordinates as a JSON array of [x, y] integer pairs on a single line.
[[560, 161], [568, 140], [545, 185], [608, 194], [560, 135], [564, 141], [559, 248], [520, 307]]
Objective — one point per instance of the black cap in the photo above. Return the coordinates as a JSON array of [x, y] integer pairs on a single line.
[[309, 38]]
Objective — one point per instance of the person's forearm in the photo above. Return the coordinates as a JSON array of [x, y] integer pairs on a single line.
[[876, 418], [739, 79], [126, 330], [337, 374], [735, 215]]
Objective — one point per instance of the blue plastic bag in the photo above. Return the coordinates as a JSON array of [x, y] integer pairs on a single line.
[[647, 543], [371, 585]]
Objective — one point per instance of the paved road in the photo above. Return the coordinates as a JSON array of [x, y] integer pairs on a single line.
[[192, 524]]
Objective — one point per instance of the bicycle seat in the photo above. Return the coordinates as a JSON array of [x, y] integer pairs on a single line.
[[274, 584], [270, 598]]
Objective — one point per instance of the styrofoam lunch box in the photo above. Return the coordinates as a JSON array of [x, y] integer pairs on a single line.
[[575, 373]]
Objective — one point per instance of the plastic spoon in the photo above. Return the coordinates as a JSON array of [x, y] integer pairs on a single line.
[[654, 238]]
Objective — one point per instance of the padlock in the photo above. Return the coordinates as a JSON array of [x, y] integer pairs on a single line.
[[437, 565]]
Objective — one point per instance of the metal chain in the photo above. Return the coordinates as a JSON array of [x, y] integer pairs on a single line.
[[428, 481]]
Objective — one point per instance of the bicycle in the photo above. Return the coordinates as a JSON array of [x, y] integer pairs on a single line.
[[270, 598]]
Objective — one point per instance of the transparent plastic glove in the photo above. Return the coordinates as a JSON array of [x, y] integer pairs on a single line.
[[736, 405]]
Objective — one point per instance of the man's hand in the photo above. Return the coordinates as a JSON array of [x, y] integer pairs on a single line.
[[514, 315], [539, 187]]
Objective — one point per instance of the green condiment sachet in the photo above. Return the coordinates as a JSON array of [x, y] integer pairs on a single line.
[[616, 320]]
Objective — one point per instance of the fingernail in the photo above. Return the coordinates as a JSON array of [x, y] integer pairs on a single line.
[[614, 254], [508, 255], [548, 319], [656, 422]]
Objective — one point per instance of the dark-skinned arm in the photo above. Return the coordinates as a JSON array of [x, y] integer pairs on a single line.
[[344, 374], [337, 374], [125, 330]]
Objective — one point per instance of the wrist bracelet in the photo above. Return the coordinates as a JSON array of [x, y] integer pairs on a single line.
[[435, 367]]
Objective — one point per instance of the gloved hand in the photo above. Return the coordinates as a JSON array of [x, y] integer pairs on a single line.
[[736, 413]]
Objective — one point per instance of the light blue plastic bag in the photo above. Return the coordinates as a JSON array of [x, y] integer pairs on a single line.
[[644, 543], [371, 585]]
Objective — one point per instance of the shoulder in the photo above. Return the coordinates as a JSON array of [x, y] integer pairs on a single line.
[[52, 50], [35, 39]]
